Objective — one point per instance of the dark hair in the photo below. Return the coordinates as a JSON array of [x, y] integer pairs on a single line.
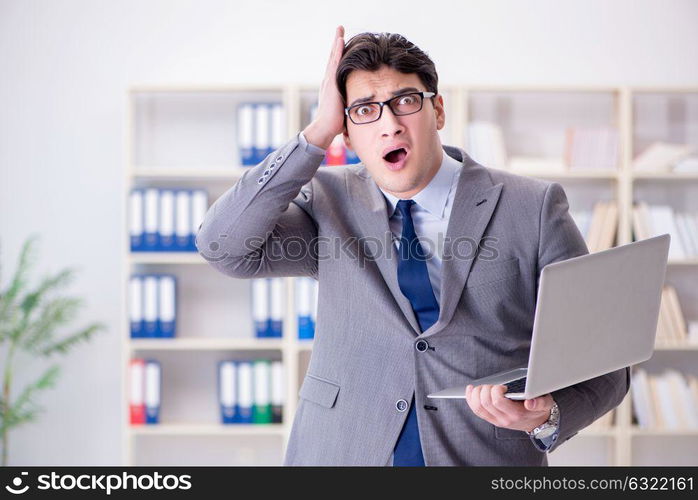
[[370, 51]]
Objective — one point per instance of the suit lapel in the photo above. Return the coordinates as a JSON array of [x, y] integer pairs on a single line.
[[473, 205], [371, 212]]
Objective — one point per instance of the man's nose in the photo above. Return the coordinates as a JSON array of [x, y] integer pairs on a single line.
[[389, 123]]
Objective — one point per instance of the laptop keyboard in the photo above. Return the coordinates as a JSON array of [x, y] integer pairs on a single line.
[[518, 385]]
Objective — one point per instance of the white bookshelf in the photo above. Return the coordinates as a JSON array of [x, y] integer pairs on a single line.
[[212, 328], [205, 344], [210, 430]]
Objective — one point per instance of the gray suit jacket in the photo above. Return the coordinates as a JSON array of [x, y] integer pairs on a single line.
[[286, 217]]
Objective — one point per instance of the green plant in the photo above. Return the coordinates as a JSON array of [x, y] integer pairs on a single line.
[[29, 320]]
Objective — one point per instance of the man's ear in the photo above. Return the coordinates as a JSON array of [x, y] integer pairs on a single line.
[[440, 112], [347, 141]]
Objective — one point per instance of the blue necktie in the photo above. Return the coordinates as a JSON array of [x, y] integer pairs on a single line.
[[413, 278]]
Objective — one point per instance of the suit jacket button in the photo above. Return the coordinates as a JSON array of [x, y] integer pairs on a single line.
[[421, 345], [401, 405]]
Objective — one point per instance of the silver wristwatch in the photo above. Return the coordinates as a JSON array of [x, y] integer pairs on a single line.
[[547, 428]]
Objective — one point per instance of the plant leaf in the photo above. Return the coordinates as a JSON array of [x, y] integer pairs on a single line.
[[8, 312], [53, 314], [34, 299], [67, 343], [24, 408]]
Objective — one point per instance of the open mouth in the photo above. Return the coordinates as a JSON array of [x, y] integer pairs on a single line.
[[396, 158]]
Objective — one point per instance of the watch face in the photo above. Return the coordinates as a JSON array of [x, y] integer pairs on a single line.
[[547, 432]]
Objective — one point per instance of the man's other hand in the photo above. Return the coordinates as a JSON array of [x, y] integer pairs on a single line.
[[488, 402]]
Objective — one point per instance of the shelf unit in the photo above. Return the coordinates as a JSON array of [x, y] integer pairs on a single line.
[[462, 104]]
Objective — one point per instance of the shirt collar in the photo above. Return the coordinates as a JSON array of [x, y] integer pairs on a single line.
[[434, 196]]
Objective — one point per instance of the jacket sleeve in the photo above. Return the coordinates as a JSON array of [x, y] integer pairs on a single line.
[[263, 226], [580, 404]]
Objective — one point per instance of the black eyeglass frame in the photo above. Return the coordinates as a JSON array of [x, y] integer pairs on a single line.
[[423, 95]]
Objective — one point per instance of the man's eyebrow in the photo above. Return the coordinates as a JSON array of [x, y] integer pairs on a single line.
[[372, 96]]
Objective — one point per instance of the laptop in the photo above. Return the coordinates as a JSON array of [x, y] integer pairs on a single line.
[[595, 314]]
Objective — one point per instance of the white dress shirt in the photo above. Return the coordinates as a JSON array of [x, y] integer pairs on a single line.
[[430, 215]]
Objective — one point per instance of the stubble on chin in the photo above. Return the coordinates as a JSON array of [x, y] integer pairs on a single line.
[[399, 186]]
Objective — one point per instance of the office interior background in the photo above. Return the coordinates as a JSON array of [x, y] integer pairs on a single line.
[[103, 99]]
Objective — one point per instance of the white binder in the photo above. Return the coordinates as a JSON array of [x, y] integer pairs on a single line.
[[135, 293], [150, 306], [136, 220], [152, 197], [166, 220], [152, 391], [167, 305], [183, 219]]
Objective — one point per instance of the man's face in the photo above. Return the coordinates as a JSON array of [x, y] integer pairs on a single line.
[[417, 133]]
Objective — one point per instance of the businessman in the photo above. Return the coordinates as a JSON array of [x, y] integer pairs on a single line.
[[428, 266]]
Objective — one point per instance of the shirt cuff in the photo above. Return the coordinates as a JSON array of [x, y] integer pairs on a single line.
[[310, 148], [544, 444]]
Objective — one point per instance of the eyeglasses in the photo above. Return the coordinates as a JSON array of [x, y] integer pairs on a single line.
[[401, 105]]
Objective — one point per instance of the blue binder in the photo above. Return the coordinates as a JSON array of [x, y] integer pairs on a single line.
[[183, 234], [304, 307], [137, 325], [167, 305], [245, 392], [276, 307], [227, 392], [262, 136], [153, 390], [199, 207], [151, 200], [151, 327], [166, 221], [245, 133], [260, 292], [136, 220]]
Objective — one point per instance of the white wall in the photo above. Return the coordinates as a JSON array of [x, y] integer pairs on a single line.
[[65, 66]]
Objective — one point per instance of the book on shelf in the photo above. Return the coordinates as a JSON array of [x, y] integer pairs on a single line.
[[245, 392], [591, 148], [250, 391], [165, 220], [672, 329], [277, 392], [653, 220], [260, 130], [306, 306], [153, 305], [268, 306], [598, 226], [641, 402], [153, 389], [667, 400], [262, 392], [145, 380], [688, 234], [661, 157]]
